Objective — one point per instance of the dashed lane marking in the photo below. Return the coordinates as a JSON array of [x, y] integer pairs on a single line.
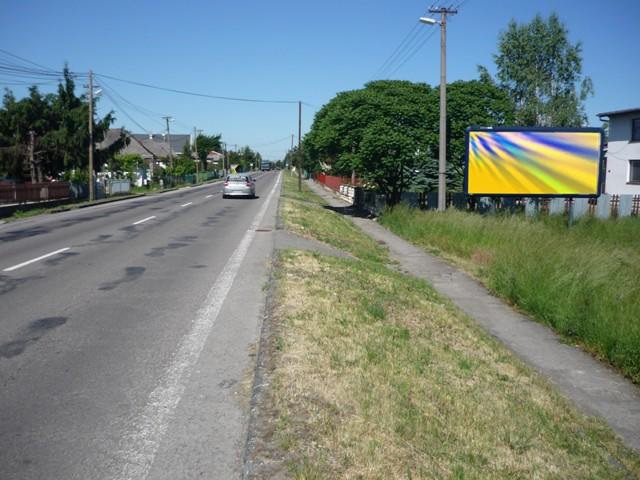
[[33, 260], [144, 220]]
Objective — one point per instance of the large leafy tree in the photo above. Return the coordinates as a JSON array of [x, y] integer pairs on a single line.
[[388, 132], [25, 135], [542, 70], [59, 123], [376, 131]]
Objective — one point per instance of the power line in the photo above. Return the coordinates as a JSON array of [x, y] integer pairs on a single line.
[[23, 59], [274, 142], [15, 82], [42, 72], [119, 108], [154, 116], [413, 52], [196, 94], [396, 52], [408, 47]]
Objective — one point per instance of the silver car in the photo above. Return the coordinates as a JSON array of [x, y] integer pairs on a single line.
[[239, 185]]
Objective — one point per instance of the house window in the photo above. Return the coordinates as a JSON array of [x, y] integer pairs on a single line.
[[635, 130], [634, 171]]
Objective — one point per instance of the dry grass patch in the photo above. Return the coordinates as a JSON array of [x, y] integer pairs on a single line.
[[376, 376], [304, 213]]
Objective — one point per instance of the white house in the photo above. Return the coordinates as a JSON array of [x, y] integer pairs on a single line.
[[623, 152]]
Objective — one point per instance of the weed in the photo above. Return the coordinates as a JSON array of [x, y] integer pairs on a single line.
[[581, 281]]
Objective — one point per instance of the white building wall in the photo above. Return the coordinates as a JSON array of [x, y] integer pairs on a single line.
[[620, 151]]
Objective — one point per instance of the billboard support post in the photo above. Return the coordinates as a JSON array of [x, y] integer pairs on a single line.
[[570, 212]]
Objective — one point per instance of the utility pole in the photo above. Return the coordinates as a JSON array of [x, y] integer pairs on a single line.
[[224, 159], [32, 162], [442, 164], [195, 153], [168, 119], [91, 185], [299, 146], [197, 132]]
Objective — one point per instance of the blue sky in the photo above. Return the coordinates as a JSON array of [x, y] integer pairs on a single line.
[[288, 50]]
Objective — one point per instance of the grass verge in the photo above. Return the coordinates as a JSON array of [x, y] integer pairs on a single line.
[[307, 215], [376, 376], [583, 282], [373, 375]]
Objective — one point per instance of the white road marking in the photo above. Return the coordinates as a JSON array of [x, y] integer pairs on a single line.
[[33, 260], [208, 196], [186, 204], [141, 440], [144, 220]]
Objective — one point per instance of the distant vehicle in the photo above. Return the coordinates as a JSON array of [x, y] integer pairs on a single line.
[[239, 185], [265, 166]]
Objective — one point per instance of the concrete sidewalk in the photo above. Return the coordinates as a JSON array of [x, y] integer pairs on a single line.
[[593, 386]]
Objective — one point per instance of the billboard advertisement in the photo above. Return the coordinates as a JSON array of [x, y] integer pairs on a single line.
[[527, 162]]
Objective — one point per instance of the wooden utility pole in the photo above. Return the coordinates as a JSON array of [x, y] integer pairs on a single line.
[[168, 119], [32, 161], [224, 158], [442, 164], [299, 146], [92, 194], [197, 132]]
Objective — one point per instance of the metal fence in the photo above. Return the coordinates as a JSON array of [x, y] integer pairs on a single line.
[[33, 192], [604, 207], [334, 183]]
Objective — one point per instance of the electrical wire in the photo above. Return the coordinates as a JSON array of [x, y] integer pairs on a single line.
[[274, 142], [195, 94], [21, 71], [23, 59], [396, 52], [408, 47], [106, 91], [16, 82], [153, 116], [413, 52]]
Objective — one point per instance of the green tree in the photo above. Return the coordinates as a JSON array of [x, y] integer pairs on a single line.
[[59, 123], [126, 164], [19, 119], [183, 164], [542, 71], [389, 130], [207, 143]]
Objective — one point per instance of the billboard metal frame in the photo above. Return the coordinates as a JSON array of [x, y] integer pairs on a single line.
[[534, 129]]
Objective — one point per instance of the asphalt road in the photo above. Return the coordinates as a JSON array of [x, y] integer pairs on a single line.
[[128, 334]]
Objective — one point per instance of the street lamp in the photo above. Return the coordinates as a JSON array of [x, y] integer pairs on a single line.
[[428, 21], [442, 164]]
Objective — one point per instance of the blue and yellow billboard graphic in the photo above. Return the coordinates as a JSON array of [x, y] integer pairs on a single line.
[[535, 162]]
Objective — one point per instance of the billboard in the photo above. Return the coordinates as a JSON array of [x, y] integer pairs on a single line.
[[527, 162]]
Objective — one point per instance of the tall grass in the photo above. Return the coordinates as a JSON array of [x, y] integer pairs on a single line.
[[583, 281]]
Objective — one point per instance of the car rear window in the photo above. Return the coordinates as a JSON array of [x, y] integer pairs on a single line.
[[237, 179]]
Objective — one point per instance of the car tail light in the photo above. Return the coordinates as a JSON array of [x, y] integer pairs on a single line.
[[226, 184], [248, 184]]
